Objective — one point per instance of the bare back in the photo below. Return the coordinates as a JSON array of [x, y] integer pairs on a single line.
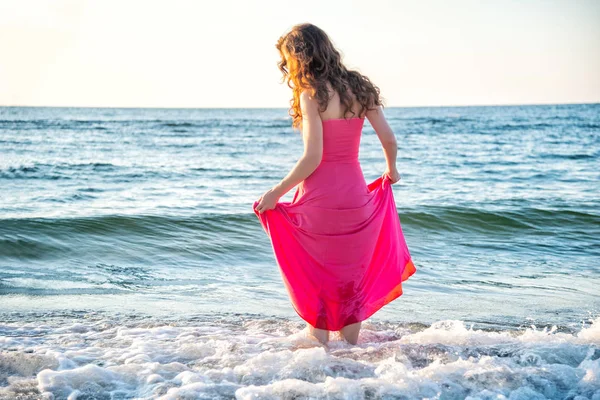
[[335, 110]]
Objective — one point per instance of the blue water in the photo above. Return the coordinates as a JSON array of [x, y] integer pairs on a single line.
[[142, 218]]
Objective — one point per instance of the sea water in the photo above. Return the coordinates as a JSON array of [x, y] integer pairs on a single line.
[[133, 266]]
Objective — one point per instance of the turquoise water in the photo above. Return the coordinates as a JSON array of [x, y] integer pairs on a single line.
[[141, 220]]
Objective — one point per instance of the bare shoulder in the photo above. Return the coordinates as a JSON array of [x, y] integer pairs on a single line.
[[335, 108], [308, 104], [306, 98], [380, 125], [375, 115]]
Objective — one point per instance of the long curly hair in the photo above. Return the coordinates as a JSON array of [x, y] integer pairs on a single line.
[[316, 62]]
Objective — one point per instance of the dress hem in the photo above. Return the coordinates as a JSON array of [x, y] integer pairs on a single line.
[[396, 292]]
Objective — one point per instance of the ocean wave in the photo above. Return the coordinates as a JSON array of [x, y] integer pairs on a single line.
[[116, 172], [203, 237], [34, 238], [57, 171], [439, 218], [128, 224], [253, 356], [161, 125], [530, 220]]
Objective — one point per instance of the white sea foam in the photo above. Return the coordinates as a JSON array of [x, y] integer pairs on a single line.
[[272, 359]]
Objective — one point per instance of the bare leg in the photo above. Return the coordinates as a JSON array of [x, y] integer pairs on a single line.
[[350, 332], [322, 335]]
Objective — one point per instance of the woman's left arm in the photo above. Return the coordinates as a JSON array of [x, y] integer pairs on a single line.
[[312, 135]]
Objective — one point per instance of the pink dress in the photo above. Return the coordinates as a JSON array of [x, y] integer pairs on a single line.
[[339, 244]]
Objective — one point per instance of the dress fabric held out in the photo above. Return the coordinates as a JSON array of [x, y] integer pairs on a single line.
[[339, 243]]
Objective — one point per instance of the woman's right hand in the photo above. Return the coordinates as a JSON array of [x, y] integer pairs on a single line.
[[392, 174]]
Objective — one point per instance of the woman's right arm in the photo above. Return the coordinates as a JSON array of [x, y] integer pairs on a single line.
[[388, 141]]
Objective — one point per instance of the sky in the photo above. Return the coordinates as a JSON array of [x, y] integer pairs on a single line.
[[129, 53]]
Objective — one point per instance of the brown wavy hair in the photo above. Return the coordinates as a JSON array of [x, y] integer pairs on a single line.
[[317, 62]]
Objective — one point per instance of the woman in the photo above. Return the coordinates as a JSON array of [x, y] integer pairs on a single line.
[[338, 243]]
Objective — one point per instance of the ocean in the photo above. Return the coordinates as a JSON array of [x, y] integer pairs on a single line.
[[132, 264]]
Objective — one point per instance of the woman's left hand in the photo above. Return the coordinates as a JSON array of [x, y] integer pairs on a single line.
[[267, 201]]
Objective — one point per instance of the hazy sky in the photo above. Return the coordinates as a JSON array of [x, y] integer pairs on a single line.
[[222, 53]]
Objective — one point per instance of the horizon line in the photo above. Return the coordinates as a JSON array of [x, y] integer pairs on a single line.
[[283, 108]]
